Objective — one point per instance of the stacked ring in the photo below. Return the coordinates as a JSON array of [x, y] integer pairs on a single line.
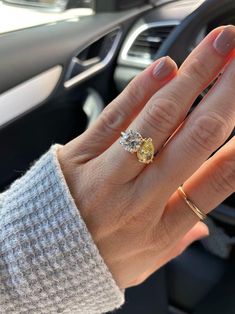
[[191, 205]]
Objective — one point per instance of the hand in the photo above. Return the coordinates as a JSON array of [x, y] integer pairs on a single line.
[[133, 211]]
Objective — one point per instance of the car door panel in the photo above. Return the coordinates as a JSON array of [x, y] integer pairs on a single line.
[[36, 108], [29, 52], [20, 99]]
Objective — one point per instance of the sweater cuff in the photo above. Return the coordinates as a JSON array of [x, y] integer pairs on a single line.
[[50, 263]]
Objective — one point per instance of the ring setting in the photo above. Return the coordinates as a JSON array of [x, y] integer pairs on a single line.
[[133, 142]]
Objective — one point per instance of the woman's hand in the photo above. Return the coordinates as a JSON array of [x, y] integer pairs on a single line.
[[132, 210]]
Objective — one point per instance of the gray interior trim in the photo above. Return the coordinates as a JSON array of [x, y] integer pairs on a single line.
[[123, 75], [28, 52], [140, 27], [174, 310], [93, 106], [29, 94]]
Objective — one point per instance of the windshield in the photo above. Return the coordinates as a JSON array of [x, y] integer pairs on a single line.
[[20, 14], [54, 5]]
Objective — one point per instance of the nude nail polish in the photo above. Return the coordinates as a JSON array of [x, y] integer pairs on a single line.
[[163, 69], [225, 41]]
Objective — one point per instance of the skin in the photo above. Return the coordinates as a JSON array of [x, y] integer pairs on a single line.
[[133, 211]]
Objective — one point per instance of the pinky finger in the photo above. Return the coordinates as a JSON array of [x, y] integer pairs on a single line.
[[207, 188]]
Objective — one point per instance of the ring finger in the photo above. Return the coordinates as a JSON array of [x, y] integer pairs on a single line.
[[167, 108]]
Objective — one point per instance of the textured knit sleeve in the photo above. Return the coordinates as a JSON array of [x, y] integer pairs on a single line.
[[48, 260]]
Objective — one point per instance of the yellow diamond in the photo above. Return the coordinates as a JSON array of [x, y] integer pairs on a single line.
[[145, 153]]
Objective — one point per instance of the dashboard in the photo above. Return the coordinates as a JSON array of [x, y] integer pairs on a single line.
[[146, 37]]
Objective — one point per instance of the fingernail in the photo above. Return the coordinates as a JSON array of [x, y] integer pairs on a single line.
[[164, 68], [225, 41]]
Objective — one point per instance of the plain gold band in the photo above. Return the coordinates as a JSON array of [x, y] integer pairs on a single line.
[[192, 206]]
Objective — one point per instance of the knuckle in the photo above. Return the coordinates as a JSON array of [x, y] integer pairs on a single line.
[[161, 115], [206, 133], [223, 176], [198, 71]]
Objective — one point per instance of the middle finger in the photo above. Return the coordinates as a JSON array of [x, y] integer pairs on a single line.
[[167, 109], [204, 131]]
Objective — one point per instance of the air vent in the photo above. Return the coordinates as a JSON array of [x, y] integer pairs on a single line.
[[149, 41], [144, 42]]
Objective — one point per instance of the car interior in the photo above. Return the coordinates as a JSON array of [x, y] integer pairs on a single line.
[[56, 78]]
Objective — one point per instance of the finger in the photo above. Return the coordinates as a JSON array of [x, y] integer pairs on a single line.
[[207, 188], [198, 232], [167, 109], [204, 131], [120, 112]]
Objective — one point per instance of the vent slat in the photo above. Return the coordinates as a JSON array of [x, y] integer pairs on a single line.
[[149, 41]]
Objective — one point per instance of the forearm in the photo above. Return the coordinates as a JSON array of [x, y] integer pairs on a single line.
[[49, 262]]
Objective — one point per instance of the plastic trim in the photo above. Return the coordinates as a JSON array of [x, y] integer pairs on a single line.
[[98, 66], [28, 95], [124, 59]]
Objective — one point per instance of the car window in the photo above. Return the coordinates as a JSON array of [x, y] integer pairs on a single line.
[[20, 14]]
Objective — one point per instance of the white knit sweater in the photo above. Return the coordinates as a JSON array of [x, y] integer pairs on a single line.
[[48, 260]]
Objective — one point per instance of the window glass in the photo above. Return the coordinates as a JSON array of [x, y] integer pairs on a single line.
[[19, 14]]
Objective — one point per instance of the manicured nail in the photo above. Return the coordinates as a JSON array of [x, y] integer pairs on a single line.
[[164, 68], [225, 41]]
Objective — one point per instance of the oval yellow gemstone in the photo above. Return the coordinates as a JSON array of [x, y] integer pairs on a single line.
[[145, 154]]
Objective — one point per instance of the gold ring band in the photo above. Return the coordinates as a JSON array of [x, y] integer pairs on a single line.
[[191, 205]]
